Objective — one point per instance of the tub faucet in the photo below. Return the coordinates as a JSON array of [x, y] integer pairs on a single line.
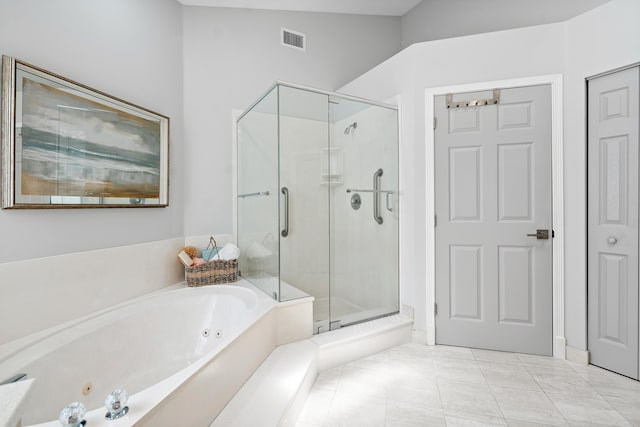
[[116, 404], [73, 415]]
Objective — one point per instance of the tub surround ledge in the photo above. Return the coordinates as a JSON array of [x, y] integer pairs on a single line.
[[294, 320], [12, 399]]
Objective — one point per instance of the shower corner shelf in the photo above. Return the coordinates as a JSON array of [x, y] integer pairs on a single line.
[[331, 166], [330, 179]]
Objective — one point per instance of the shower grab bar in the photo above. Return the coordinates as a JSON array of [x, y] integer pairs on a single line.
[[14, 379], [260, 193], [376, 196], [285, 231]]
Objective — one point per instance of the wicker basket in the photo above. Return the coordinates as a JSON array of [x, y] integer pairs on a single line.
[[212, 273]]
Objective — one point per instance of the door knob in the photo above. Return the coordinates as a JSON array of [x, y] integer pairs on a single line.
[[540, 234], [612, 240]]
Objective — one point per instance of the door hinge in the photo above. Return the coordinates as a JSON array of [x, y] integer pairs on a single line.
[[435, 220], [553, 233], [435, 122], [435, 309]]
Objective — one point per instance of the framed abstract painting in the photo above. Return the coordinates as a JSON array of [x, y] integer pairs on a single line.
[[65, 145]]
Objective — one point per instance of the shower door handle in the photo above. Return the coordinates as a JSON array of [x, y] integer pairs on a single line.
[[285, 231], [376, 196]]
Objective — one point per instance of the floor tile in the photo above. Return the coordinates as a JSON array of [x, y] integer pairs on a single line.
[[526, 405], [404, 414], [410, 351], [518, 423], [427, 395], [610, 384], [417, 385], [467, 397], [495, 356], [377, 362], [578, 409], [564, 383], [458, 370], [532, 361], [416, 382], [628, 406], [356, 410], [466, 419], [445, 351], [403, 368], [362, 382], [508, 375]]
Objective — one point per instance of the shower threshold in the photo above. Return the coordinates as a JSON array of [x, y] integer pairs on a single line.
[[343, 312]]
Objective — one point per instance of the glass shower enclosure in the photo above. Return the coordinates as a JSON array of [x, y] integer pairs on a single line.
[[317, 208]]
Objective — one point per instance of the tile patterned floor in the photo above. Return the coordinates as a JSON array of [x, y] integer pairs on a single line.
[[417, 385]]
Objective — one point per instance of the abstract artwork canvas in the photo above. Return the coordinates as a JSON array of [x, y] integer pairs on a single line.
[[67, 145]]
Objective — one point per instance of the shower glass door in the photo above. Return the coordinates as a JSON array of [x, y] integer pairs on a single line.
[[304, 199], [363, 160]]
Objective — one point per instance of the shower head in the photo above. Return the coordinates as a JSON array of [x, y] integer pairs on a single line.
[[353, 125]]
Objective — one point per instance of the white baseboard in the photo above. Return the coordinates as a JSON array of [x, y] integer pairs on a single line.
[[577, 356], [559, 348]]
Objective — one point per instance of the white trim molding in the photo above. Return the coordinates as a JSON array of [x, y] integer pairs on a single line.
[[555, 80], [577, 356]]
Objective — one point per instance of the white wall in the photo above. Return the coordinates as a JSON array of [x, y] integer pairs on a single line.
[[58, 264], [439, 19], [604, 38], [231, 57], [131, 50], [495, 56]]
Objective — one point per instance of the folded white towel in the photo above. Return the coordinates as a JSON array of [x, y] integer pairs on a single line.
[[256, 250], [228, 252]]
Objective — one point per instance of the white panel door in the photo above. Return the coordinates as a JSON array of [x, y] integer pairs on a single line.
[[493, 188], [613, 221]]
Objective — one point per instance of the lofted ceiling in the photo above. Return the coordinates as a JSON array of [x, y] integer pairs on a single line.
[[359, 7]]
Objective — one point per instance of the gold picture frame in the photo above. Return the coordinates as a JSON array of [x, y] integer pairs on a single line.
[[66, 145]]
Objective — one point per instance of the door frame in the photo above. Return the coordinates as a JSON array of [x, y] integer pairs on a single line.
[[557, 167]]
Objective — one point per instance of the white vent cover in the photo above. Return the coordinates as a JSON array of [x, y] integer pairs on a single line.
[[293, 39]]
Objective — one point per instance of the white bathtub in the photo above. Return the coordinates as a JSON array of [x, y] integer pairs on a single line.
[[180, 354]]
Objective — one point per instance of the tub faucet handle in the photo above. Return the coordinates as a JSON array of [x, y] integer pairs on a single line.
[[116, 404], [73, 415]]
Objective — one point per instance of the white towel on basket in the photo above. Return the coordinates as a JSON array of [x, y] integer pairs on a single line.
[[228, 252]]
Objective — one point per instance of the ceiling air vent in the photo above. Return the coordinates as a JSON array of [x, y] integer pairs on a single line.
[[293, 39]]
